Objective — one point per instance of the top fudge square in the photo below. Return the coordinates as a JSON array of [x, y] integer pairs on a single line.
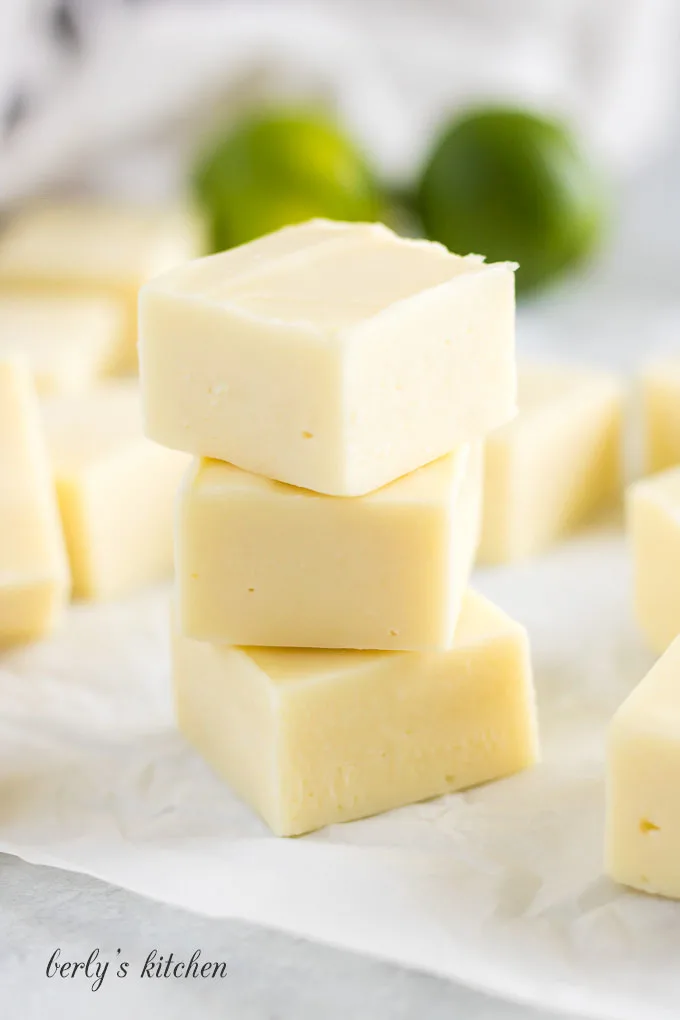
[[335, 357]]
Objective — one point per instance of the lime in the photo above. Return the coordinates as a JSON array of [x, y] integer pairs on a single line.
[[282, 167], [511, 185]]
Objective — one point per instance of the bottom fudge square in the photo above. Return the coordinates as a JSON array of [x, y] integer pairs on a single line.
[[311, 737]]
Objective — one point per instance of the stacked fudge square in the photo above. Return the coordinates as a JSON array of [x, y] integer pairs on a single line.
[[334, 383]]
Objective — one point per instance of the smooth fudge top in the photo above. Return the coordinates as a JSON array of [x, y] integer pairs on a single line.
[[322, 273], [332, 356]]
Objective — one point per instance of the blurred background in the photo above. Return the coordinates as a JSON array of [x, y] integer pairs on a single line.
[[542, 132]]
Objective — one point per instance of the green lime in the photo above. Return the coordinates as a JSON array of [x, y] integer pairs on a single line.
[[511, 185], [282, 167]]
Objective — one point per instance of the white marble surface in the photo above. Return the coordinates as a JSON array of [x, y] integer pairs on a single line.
[[271, 975]]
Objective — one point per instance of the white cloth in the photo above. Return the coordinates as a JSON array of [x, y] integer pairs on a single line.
[[123, 110]]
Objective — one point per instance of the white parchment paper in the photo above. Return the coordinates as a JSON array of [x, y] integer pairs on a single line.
[[501, 887]]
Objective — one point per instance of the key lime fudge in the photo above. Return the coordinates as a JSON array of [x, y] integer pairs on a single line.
[[334, 357], [34, 578], [653, 525], [69, 342], [660, 393], [87, 247], [263, 563], [313, 737], [334, 384], [555, 465], [643, 779], [116, 489]]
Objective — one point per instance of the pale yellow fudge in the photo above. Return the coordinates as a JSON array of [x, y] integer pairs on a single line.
[[335, 357], [643, 783], [34, 577], [263, 563], [115, 488], [555, 464], [661, 415], [86, 247], [68, 341], [653, 521], [309, 738]]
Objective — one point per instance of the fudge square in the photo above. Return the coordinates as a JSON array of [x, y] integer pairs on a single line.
[[555, 465], [643, 780], [34, 578], [90, 247], [69, 341], [116, 489], [263, 563], [335, 357], [660, 391], [653, 525], [309, 738]]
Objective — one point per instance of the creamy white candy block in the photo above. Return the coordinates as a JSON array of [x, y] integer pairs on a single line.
[[88, 247], [555, 464], [115, 487], [33, 568], [653, 521], [68, 341], [661, 414], [335, 357], [263, 563], [312, 737], [643, 783]]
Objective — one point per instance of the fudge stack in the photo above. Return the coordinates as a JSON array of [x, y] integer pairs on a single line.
[[334, 383]]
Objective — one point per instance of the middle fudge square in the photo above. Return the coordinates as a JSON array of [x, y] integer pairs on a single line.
[[263, 563]]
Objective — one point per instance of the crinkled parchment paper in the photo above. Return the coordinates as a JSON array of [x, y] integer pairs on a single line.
[[501, 887]]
